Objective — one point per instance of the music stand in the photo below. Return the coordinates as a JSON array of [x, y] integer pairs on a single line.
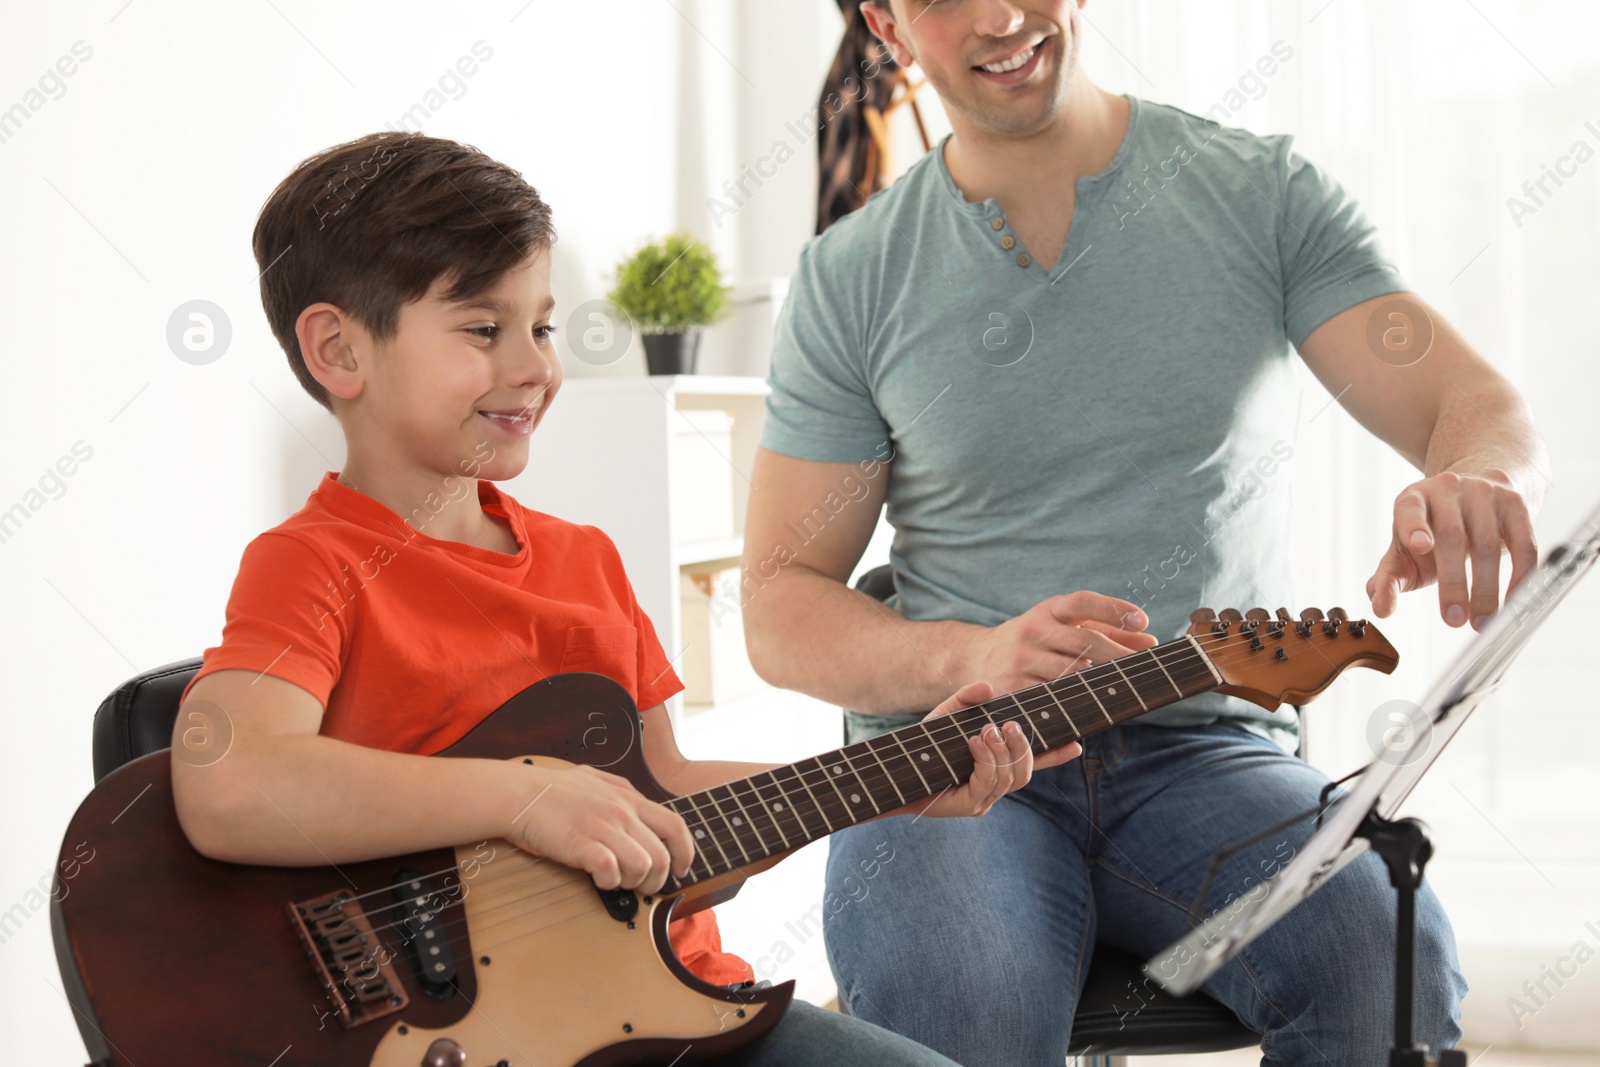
[[1362, 817]]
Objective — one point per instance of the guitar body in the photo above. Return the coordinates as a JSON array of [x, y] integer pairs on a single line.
[[172, 958]]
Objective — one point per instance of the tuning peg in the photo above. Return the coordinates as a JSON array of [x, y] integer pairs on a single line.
[[1201, 616], [1308, 619], [1257, 615], [1231, 616], [1335, 617], [1284, 616]]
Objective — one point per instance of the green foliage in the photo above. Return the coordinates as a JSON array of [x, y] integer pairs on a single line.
[[670, 286]]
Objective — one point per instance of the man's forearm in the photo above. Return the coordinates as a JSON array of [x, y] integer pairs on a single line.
[[811, 633], [1487, 431]]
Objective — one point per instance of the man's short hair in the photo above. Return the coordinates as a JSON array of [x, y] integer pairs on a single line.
[[371, 224]]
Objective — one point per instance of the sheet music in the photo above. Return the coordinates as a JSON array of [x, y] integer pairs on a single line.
[[1385, 784]]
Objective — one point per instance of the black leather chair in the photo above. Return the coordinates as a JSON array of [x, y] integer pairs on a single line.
[[137, 719], [1121, 1012]]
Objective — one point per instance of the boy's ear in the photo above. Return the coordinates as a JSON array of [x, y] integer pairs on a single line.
[[327, 336]]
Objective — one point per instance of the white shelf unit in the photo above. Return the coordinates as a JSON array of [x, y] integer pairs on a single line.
[[607, 454]]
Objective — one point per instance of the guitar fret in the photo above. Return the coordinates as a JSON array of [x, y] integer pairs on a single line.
[[733, 813], [814, 801], [782, 805], [1135, 689], [813, 824], [886, 773], [803, 831], [707, 831], [851, 767], [754, 829], [1024, 712], [710, 795], [698, 853], [985, 709], [896, 735], [1176, 688], [954, 777], [1109, 720], [1050, 688]]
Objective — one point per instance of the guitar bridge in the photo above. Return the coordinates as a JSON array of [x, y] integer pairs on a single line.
[[347, 958]]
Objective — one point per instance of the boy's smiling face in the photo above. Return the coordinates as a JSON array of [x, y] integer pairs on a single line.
[[458, 390]]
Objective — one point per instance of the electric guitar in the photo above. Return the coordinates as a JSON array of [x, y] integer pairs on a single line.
[[489, 956]]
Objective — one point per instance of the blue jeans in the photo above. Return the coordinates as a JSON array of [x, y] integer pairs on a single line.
[[973, 936], [808, 1036]]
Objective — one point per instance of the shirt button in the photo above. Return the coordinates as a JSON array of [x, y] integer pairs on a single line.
[[998, 223], [1024, 259], [1007, 242]]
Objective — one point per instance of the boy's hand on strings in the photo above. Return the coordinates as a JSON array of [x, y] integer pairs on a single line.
[[598, 822]]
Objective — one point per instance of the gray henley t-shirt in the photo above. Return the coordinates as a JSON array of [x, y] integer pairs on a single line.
[[1123, 422]]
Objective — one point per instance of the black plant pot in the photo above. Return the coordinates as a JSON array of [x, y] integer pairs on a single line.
[[671, 353]]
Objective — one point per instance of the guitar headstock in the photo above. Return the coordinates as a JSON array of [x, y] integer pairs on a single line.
[[1275, 659]]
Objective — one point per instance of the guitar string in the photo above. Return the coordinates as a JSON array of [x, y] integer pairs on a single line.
[[580, 883], [941, 727], [761, 804], [770, 819], [567, 874]]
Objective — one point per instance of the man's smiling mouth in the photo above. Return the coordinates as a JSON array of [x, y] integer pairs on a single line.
[[1013, 61]]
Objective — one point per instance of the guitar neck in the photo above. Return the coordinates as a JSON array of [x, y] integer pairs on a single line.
[[751, 819]]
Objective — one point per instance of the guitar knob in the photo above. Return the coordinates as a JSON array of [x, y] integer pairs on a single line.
[[1201, 616], [1257, 615], [444, 1053], [1311, 615], [1284, 616], [1230, 615], [1338, 614]]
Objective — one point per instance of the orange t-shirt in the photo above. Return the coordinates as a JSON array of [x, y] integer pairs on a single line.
[[409, 642]]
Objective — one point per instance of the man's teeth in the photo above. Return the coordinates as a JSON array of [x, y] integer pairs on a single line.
[[1011, 64], [505, 418]]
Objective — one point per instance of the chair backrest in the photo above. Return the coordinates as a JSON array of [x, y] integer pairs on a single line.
[[136, 719]]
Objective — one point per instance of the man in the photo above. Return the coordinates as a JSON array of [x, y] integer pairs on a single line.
[[1060, 349]]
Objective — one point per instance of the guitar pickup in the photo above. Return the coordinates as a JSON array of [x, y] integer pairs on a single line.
[[347, 958], [419, 910]]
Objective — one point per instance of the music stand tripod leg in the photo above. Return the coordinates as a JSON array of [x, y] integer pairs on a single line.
[[1405, 849]]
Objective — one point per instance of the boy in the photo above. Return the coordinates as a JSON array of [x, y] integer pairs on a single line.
[[407, 279]]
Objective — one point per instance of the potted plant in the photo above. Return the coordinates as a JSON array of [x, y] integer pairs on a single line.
[[670, 289]]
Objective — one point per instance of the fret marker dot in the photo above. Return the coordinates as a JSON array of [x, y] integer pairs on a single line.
[[838, 770], [777, 807], [925, 757], [1044, 715], [738, 821], [855, 798], [1111, 689], [699, 834]]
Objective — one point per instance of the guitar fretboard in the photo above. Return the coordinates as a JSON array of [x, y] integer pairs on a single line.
[[753, 818]]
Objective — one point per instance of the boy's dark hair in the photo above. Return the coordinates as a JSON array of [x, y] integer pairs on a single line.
[[371, 224]]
